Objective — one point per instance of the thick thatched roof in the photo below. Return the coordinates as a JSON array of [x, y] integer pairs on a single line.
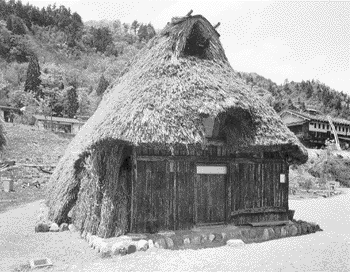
[[180, 77]]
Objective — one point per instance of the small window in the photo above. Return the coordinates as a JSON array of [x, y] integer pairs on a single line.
[[323, 126], [319, 125], [315, 125], [327, 126]]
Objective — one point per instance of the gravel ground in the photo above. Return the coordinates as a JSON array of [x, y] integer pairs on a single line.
[[323, 251], [19, 243]]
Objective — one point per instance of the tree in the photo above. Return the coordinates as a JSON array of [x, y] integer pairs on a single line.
[[142, 33], [16, 25], [126, 27], [134, 26], [151, 31], [33, 80], [72, 105], [102, 38], [74, 30], [102, 85]]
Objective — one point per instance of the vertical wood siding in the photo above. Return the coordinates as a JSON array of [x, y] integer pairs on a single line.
[[169, 190], [258, 186]]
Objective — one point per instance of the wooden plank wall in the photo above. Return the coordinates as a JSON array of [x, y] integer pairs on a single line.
[[165, 194], [257, 186], [165, 186]]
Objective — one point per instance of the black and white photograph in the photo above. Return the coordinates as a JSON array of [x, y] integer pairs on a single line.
[[173, 135]]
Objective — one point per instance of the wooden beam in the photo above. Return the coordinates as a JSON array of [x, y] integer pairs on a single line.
[[217, 25], [259, 210], [189, 13], [207, 159]]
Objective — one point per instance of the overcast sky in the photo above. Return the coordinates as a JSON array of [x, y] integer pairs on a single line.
[[278, 40]]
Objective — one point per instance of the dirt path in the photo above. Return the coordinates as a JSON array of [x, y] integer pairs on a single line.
[[323, 251]]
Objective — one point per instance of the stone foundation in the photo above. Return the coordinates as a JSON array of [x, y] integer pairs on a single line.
[[196, 238]]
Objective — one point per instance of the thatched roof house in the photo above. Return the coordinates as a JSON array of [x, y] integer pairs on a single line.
[[178, 118]]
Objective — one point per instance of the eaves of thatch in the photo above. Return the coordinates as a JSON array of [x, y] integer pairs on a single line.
[[181, 76]]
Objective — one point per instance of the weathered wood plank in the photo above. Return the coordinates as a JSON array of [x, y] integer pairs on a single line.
[[198, 157], [259, 210]]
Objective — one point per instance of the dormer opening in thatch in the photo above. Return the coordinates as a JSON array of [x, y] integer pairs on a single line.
[[198, 42], [238, 128]]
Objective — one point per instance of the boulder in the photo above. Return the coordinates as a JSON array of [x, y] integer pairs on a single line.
[[97, 243], [178, 241], [218, 237], [54, 228], [106, 252], [72, 228], [142, 245], [284, 232], [83, 234], [271, 233], [303, 228], [265, 235], [196, 240], [235, 243], [42, 227], [91, 240], [224, 236], [131, 249], [101, 246], [160, 243], [293, 230], [122, 251], [169, 242], [187, 241], [277, 232], [204, 238], [119, 248], [64, 227], [88, 237], [211, 237], [150, 244], [252, 233]]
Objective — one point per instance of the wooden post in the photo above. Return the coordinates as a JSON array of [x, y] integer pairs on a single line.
[[228, 194], [175, 195], [133, 184]]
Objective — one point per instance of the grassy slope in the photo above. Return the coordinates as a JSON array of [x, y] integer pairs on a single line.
[[334, 166], [28, 145]]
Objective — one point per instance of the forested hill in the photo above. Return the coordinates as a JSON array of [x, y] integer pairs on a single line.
[[301, 95], [54, 63]]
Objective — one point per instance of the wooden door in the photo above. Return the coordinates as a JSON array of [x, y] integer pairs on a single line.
[[210, 194]]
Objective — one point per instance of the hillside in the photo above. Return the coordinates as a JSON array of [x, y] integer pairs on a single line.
[[322, 166], [301, 95], [30, 146], [54, 64]]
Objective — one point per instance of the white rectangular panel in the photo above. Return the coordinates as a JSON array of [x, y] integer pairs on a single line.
[[212, 169]]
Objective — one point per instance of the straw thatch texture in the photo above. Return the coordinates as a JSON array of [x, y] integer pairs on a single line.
[[181, 76]]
